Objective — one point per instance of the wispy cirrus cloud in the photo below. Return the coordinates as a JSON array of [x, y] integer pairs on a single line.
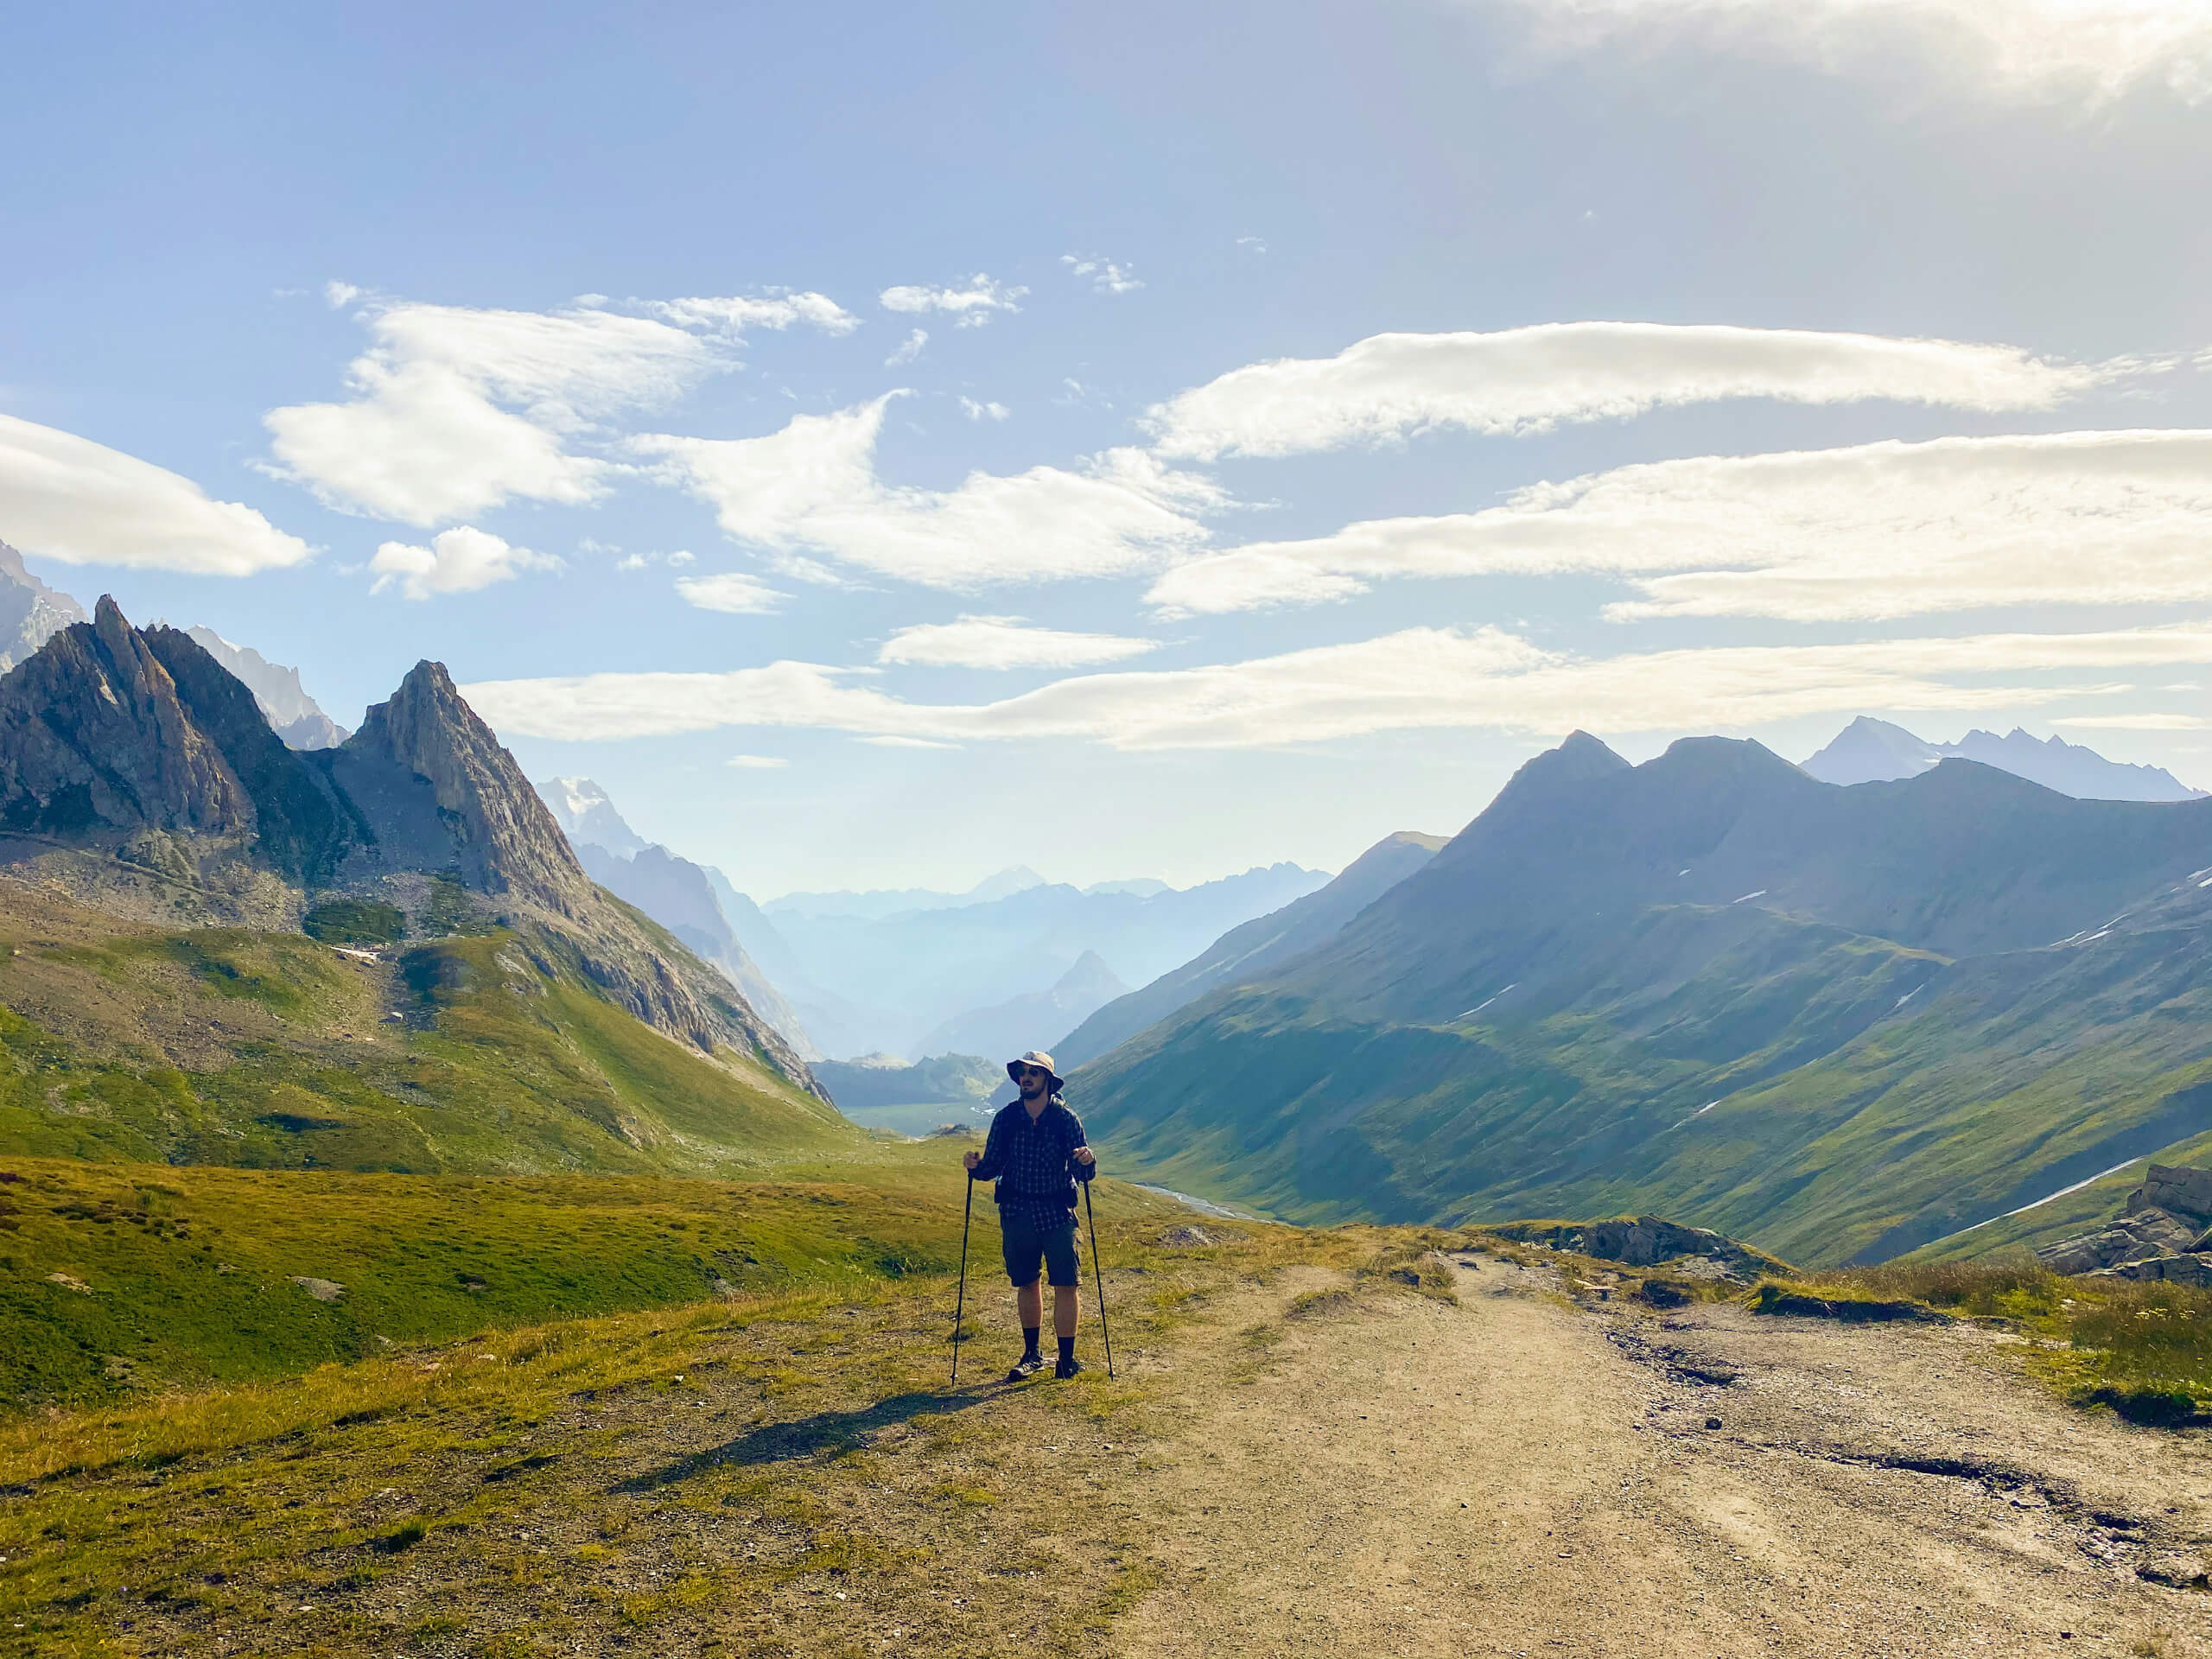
[[1005, 642], [1870, 532], [1418, 678], [2036, 50], [457, 561], [63, 497], [971, 302], [455, 410], [811, 490], [1520, 381]]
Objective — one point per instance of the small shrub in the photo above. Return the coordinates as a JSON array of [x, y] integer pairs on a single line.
[[354, 921]]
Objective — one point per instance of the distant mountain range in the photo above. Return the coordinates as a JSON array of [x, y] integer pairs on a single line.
[[916, 971], [1247, 952], [1873, 751], [1031, 1020], [686, 899], [1840, 1022], [895, 982]]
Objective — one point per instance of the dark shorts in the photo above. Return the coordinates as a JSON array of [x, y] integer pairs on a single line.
[[1027, 1239]]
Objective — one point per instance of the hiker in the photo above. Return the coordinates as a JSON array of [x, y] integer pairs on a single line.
[[1036, 1153]]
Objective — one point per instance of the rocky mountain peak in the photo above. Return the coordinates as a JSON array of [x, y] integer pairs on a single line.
[[92, 732], [508, 839]]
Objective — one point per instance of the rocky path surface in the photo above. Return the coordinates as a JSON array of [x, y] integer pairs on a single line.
[[1513, 1476]]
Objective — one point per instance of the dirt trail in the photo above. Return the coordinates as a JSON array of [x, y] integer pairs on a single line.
[[1513, 1476]]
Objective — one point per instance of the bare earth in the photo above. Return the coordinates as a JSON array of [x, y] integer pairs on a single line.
[[1288, 1465], [1517, 1476]]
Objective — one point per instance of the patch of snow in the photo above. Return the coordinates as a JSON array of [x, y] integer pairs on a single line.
[[1700, 1112], [1907, 997], [1485, 1003], [1748, 897], [2048, 1198]]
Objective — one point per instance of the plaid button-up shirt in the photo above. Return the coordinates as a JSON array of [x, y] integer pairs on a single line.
[[1031, 1159]]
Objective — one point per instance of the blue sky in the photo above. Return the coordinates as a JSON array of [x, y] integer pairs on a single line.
[[1750, 367]]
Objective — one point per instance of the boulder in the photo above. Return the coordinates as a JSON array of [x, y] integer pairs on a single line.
[[2179, 1269], [2177, 1189], [2141, 1236]]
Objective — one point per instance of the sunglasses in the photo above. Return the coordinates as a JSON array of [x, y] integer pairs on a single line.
[[1032, 1071]]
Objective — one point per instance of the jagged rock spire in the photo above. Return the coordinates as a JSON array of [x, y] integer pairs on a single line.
[[505, 832]]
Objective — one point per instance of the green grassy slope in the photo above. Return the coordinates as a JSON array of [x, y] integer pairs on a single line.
[[1660, 989], [484, 1054], [116, 1279], [1732, 1097]]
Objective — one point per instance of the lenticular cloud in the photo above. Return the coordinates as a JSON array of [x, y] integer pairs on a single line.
[[1527, 380]]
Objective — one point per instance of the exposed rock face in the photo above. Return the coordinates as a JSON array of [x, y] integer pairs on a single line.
[[2176, 1188], [2160, 1234], [93, 738], [506, 839]]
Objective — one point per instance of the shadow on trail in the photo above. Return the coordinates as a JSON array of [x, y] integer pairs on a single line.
[[826, 1430]]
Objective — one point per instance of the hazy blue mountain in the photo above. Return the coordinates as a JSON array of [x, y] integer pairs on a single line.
[[1836, 1021], [1033, 1021], [296, 717], [1249, 951], [877, 903], [684, 898], [1874, 751], [896, 979]]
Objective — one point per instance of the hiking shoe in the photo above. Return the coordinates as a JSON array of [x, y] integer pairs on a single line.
[[1025, 1368], [1066, 1369]]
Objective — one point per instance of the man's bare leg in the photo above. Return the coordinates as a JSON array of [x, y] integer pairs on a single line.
[[1065, 1302]]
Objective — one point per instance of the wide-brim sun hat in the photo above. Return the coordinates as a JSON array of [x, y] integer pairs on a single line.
[[1032, 1058]]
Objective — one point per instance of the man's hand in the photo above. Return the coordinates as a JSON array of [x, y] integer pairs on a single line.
[[1083, 1155], [971, 1160]]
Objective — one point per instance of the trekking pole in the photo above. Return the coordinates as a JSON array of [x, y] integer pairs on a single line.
[[1099, 1277], [960, 1307]]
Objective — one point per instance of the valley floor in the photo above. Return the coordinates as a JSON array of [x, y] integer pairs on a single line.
[[1294, 1460]]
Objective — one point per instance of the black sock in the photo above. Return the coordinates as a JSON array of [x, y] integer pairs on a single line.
[[1029, 1341], [1067, 1347]]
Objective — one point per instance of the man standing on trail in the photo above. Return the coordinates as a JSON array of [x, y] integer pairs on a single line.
[[1036, 1153]]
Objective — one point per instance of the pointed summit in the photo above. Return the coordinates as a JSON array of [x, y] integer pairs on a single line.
[[508, 840]]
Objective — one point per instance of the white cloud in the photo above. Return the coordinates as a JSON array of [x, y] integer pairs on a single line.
[[812, 488], [1005, 642], [739, 594], [1433, 678], [1107, 276], [908, 352], [972, 302], [976, 411], [457, 561], [2135, 722], [63, 497], [777, 308], [1879, 529], [1527, 380], [756, 762], [455, 411], [2087, 51], [907, 743]]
